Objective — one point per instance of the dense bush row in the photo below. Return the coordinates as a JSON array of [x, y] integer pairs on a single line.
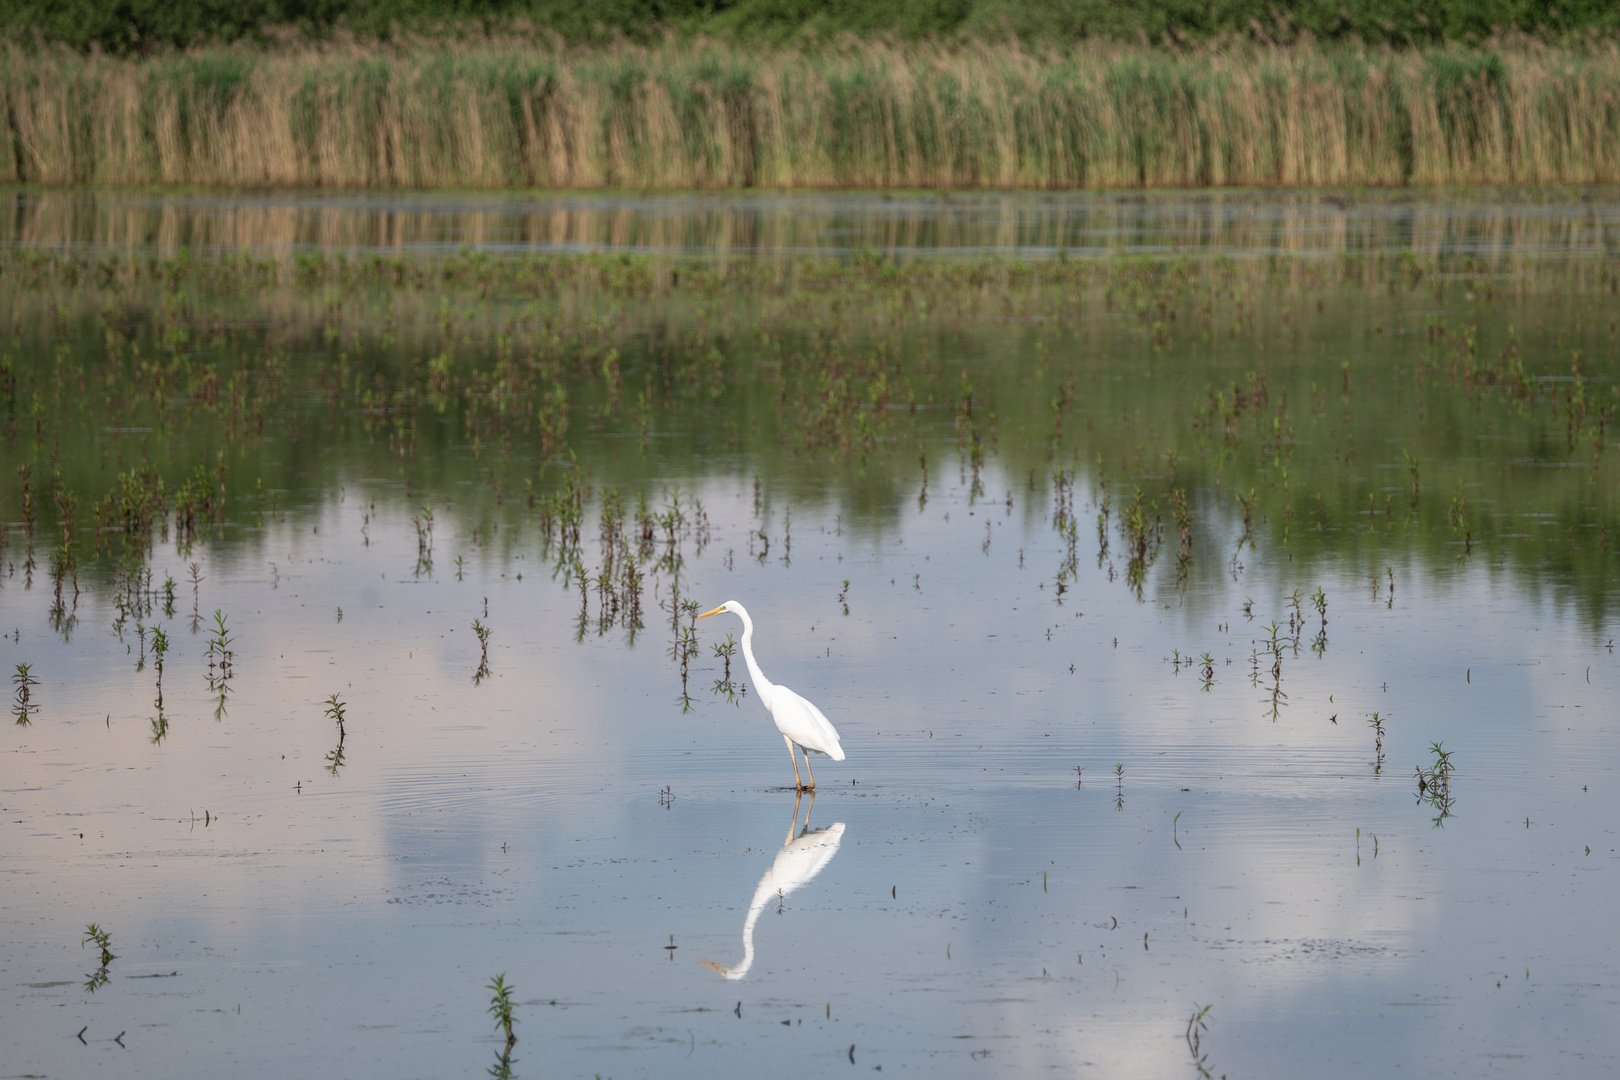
[[124, 25]]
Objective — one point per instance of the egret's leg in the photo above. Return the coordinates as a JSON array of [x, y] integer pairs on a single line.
[[795, 759], [812, 784], [794, 824]]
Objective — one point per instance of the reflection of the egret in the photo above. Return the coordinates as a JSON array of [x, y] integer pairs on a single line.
[[802, 857]]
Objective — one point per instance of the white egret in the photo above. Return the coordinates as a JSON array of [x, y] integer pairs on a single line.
[[800, 722], [800, 859]]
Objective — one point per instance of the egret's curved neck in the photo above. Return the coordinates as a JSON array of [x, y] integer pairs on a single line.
[[762, 686], [748, 939]]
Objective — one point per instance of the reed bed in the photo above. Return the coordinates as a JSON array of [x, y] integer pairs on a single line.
[[864, 115]]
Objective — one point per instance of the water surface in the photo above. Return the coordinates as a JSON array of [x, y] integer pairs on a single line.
[[954, 509]]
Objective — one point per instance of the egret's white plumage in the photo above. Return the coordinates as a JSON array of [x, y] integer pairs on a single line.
[[799, 721]]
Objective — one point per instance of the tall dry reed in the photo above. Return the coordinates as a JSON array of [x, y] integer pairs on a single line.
[[506, 114]]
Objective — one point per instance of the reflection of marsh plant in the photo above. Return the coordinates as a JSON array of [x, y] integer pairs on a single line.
[[220, 655], [196, 574], [335, 710], [724, 651], [1183, 516], [25, 682], [1319, 602], [424, 541], [1196, 1026], [1142, 529], [103, 942], [1434, 783], [1376, 722], [502, 1069], [482, 633], [1437, 777]]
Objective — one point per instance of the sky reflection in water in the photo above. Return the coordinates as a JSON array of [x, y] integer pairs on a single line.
[[971, 896]]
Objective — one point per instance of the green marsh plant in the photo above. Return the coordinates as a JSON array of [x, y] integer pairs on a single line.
[[102, 940], [160, 649], [482, 633], [335, 710], [501, 1007], [221, 657], [1434, 783]]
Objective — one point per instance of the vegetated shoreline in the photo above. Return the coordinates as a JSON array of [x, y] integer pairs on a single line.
[[509, 113]]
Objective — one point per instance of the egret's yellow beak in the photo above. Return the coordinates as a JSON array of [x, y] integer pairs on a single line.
[[717, 611], [710, 964]]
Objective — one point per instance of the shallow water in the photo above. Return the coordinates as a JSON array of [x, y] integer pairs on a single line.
[[1051, 842]]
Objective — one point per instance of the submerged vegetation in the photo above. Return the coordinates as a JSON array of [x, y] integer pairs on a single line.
[[519, 112], [1196, 407]]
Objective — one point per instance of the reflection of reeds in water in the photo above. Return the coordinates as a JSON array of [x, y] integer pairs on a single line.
[[508, 114], [1488, 225]]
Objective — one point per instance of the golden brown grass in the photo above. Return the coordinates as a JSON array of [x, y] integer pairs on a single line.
[[508, 114]]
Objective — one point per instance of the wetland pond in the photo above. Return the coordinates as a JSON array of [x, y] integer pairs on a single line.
[[1215, 595]]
